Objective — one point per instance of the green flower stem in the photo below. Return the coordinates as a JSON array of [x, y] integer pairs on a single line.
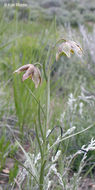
[[48, 83], [44, 148], [41, 179], [39, 142], [48, 90], [40, 125], [48, 101]]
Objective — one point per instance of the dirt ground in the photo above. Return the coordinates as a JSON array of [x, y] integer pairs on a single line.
[[87, 184]]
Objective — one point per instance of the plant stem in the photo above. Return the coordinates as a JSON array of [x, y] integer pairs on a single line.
[[48, 90], [41, 179], [39, 142], [40, 125], [48, 101]]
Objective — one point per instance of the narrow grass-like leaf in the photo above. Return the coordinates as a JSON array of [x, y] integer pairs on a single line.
[[35, 100], [78, 133], [30, 160], [21, 164], [38, 140], [10, 42]]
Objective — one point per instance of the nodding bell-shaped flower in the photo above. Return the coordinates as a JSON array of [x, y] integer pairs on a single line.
[[32, 72], [67, 48]]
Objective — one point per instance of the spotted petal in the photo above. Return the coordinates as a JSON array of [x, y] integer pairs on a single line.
[[36, 77], [23, 68], [75, 48], [29, 72], [67, 48]]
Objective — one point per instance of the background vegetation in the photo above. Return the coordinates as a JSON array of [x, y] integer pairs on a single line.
[[26, 35]]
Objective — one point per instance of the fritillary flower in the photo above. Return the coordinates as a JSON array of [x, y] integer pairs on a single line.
[[67, 48], [31, 72]]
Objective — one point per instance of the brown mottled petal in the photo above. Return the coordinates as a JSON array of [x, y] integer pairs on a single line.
[[36, 77], [75, 47], [29, 72], [23, 68], [57, 56], [39, 73]]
